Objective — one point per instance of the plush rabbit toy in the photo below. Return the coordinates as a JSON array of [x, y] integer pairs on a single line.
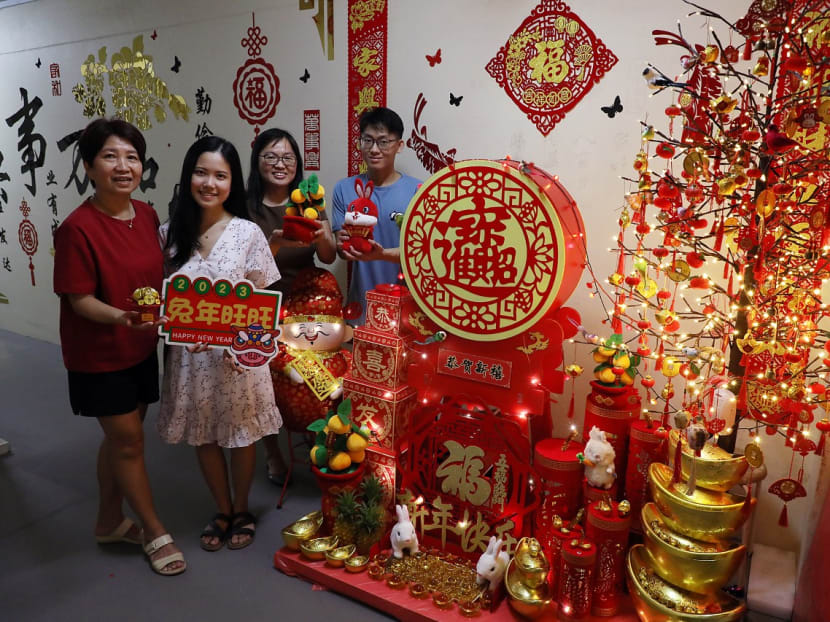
[[599, 460], [492, 564], [403, 533]]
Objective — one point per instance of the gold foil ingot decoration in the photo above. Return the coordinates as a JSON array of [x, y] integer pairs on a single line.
[[301, 530], [658, 601], [706, 515], [146, 296], [715, 469], [356, 563], [336, 557], [624, 508], [532, 566], [315, 549], [696, 566]]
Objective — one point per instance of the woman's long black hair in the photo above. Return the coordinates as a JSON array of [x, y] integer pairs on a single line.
[[183, 233], [256, 190]]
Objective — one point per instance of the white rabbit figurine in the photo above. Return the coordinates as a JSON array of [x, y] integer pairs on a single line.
[[403, 533], [598, 459], [492, 564]]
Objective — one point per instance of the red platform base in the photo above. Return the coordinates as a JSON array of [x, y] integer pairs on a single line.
[[399, 603]]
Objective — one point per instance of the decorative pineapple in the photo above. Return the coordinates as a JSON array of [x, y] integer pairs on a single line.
[[372, 490], [371, 520], [345, 525]]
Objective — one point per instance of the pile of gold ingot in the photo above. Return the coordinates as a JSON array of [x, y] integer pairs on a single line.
[[146, 296], [439, 573], [528, 591], [686, 557]]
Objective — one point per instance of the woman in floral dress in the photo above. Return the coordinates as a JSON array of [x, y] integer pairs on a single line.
[[207, 400]]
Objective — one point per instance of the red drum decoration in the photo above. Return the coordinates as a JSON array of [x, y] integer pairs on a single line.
[[608, 530], [612, 410], [644, 447], [576, 579], [560, 487]]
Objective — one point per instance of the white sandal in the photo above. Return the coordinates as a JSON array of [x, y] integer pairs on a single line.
[[159, 565], [119, 534]]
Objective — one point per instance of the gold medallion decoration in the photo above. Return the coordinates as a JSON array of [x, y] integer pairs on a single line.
[[483, 249], [754, 455]]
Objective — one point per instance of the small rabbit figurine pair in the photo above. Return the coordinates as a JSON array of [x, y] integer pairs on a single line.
[[492, 564], [598, 459], [403, 534]]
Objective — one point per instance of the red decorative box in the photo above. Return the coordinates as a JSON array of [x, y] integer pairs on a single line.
[[555, 539], [381, 464], [612, 410], [608, 530], [644, 447], [577, 579], [560, 473], [379, 358], [385, 412], [384, 306]]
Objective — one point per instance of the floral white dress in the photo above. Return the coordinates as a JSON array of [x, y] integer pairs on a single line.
[[203, 399]]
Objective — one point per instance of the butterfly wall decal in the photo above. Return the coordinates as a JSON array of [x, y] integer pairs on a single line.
[[435, 59], [613, 109], [38, 63], [455, 101], [304, 78], [154, 35], [176, 64]]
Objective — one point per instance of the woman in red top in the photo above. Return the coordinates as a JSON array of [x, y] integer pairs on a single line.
[[104, 250]]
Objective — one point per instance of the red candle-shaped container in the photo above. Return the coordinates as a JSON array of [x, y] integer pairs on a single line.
[[644, 447], [607, 527], [612, 410], [576, 570], [558, 536], [591, 494], [556, 462]]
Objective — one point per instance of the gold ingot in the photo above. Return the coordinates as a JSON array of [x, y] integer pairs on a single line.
[[527, 601], [532, 566], [316, 548], [716, 469], [705, 515], [337, 557], [685, 562], [301, 530], [658, 601], [356, 563]]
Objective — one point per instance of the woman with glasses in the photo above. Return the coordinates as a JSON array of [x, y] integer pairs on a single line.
[[276, 170]]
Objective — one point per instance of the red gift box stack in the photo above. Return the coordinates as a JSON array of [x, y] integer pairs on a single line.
[[376, 385]]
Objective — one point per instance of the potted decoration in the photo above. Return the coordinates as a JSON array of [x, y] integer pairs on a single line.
[[302, 213], [337, 456]]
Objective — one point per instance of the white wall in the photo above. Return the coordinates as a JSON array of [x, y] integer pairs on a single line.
[[587, 150]]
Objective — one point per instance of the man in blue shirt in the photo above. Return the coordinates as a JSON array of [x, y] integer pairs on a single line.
[[381, 132]]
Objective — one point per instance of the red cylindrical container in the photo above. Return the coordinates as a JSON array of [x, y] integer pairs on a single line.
[[612, 410], [644, 447], [558, 536], [608, 529], [331, 485], [556, 462], [592, 493], [577, 579]]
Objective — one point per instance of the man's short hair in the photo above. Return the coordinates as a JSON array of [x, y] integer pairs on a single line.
[[382, 117]]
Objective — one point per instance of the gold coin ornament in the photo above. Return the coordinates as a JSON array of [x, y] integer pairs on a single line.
[[754, 455], [488, 248], [679, 271], [647, 288]]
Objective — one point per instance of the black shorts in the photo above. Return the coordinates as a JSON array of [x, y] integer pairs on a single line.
[[103, 394]]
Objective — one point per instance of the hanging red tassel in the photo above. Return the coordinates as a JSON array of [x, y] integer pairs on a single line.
[[719, 236], [677, 475], [783, 519], [748, 500], [820, 446]]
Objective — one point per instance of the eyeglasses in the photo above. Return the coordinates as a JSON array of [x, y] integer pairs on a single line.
[[273, 158], [383, 144]]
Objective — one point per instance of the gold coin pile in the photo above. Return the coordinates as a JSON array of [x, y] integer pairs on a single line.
[[448, 574]]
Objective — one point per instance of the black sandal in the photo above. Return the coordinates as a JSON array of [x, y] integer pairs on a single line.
[[236, 529], [214, 530]]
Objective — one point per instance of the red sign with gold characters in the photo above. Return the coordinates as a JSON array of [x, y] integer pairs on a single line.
[[549, 63], [490, 251], [236, 316]]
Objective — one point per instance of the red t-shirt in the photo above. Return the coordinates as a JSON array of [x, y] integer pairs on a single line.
[[103, 256]]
